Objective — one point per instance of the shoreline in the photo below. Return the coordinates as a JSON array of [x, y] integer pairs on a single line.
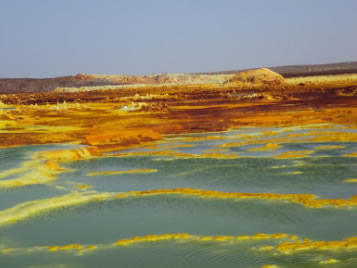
[[131, 116]]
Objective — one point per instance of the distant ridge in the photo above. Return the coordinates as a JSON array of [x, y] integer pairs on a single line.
[[306, 70], [18, 85], [316, 69]]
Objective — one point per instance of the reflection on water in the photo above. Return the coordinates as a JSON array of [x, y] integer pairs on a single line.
[[80, 215]]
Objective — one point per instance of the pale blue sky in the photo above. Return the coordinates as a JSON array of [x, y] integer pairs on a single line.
[[41, 38]]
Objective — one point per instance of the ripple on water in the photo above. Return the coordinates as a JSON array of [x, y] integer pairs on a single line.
[[322, 171]]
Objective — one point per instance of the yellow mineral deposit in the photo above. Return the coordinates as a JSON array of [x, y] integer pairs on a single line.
[[223, 238], [308, 245], [31, 172], [193, 238], [206, 238], [308, 200], [267, 147], [65, 248], [354, 154], [266, 248], [273, 143], [294, 154], [6, 250], [83, 187], [331, 136], [69, 154], [351, 180], [25, 166], [262, 236], [329, 261], [328, 147], [25, 210], [281, 244], [28, 209], [91, 247], [150, 238]]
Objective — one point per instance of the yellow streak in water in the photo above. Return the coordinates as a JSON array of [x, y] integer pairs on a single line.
[[351, 180], [37, 172], [83, 187], [25, 210], [179, 237], [329, 147], [31, 208], [69, 154], [284, 244], [24, 167], [267, 147], [329, 261], [7, 250], [308, 245], [351, 154], [309, 200], [66, 247]]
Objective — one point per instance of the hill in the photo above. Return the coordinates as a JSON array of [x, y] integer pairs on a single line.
[[268, 76]]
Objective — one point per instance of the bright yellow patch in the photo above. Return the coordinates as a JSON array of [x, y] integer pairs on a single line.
[[69, 154], [308, 245], [223, 238], [83, 187], [351, 154], [329, 261], [351, 180], [35, 172], [91, 247], [65, 247], [267, 147], [6, 250], [329, 147]]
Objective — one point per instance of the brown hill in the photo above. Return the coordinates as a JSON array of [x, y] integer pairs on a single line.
[[259, 76]]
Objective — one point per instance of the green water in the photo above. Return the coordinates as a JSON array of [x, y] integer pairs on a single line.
[[321, 173]]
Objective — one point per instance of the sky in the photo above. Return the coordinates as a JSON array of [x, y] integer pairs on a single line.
[[45, 38]]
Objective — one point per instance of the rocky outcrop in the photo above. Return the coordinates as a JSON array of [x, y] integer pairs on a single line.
[[19, 85], [259, 76]]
